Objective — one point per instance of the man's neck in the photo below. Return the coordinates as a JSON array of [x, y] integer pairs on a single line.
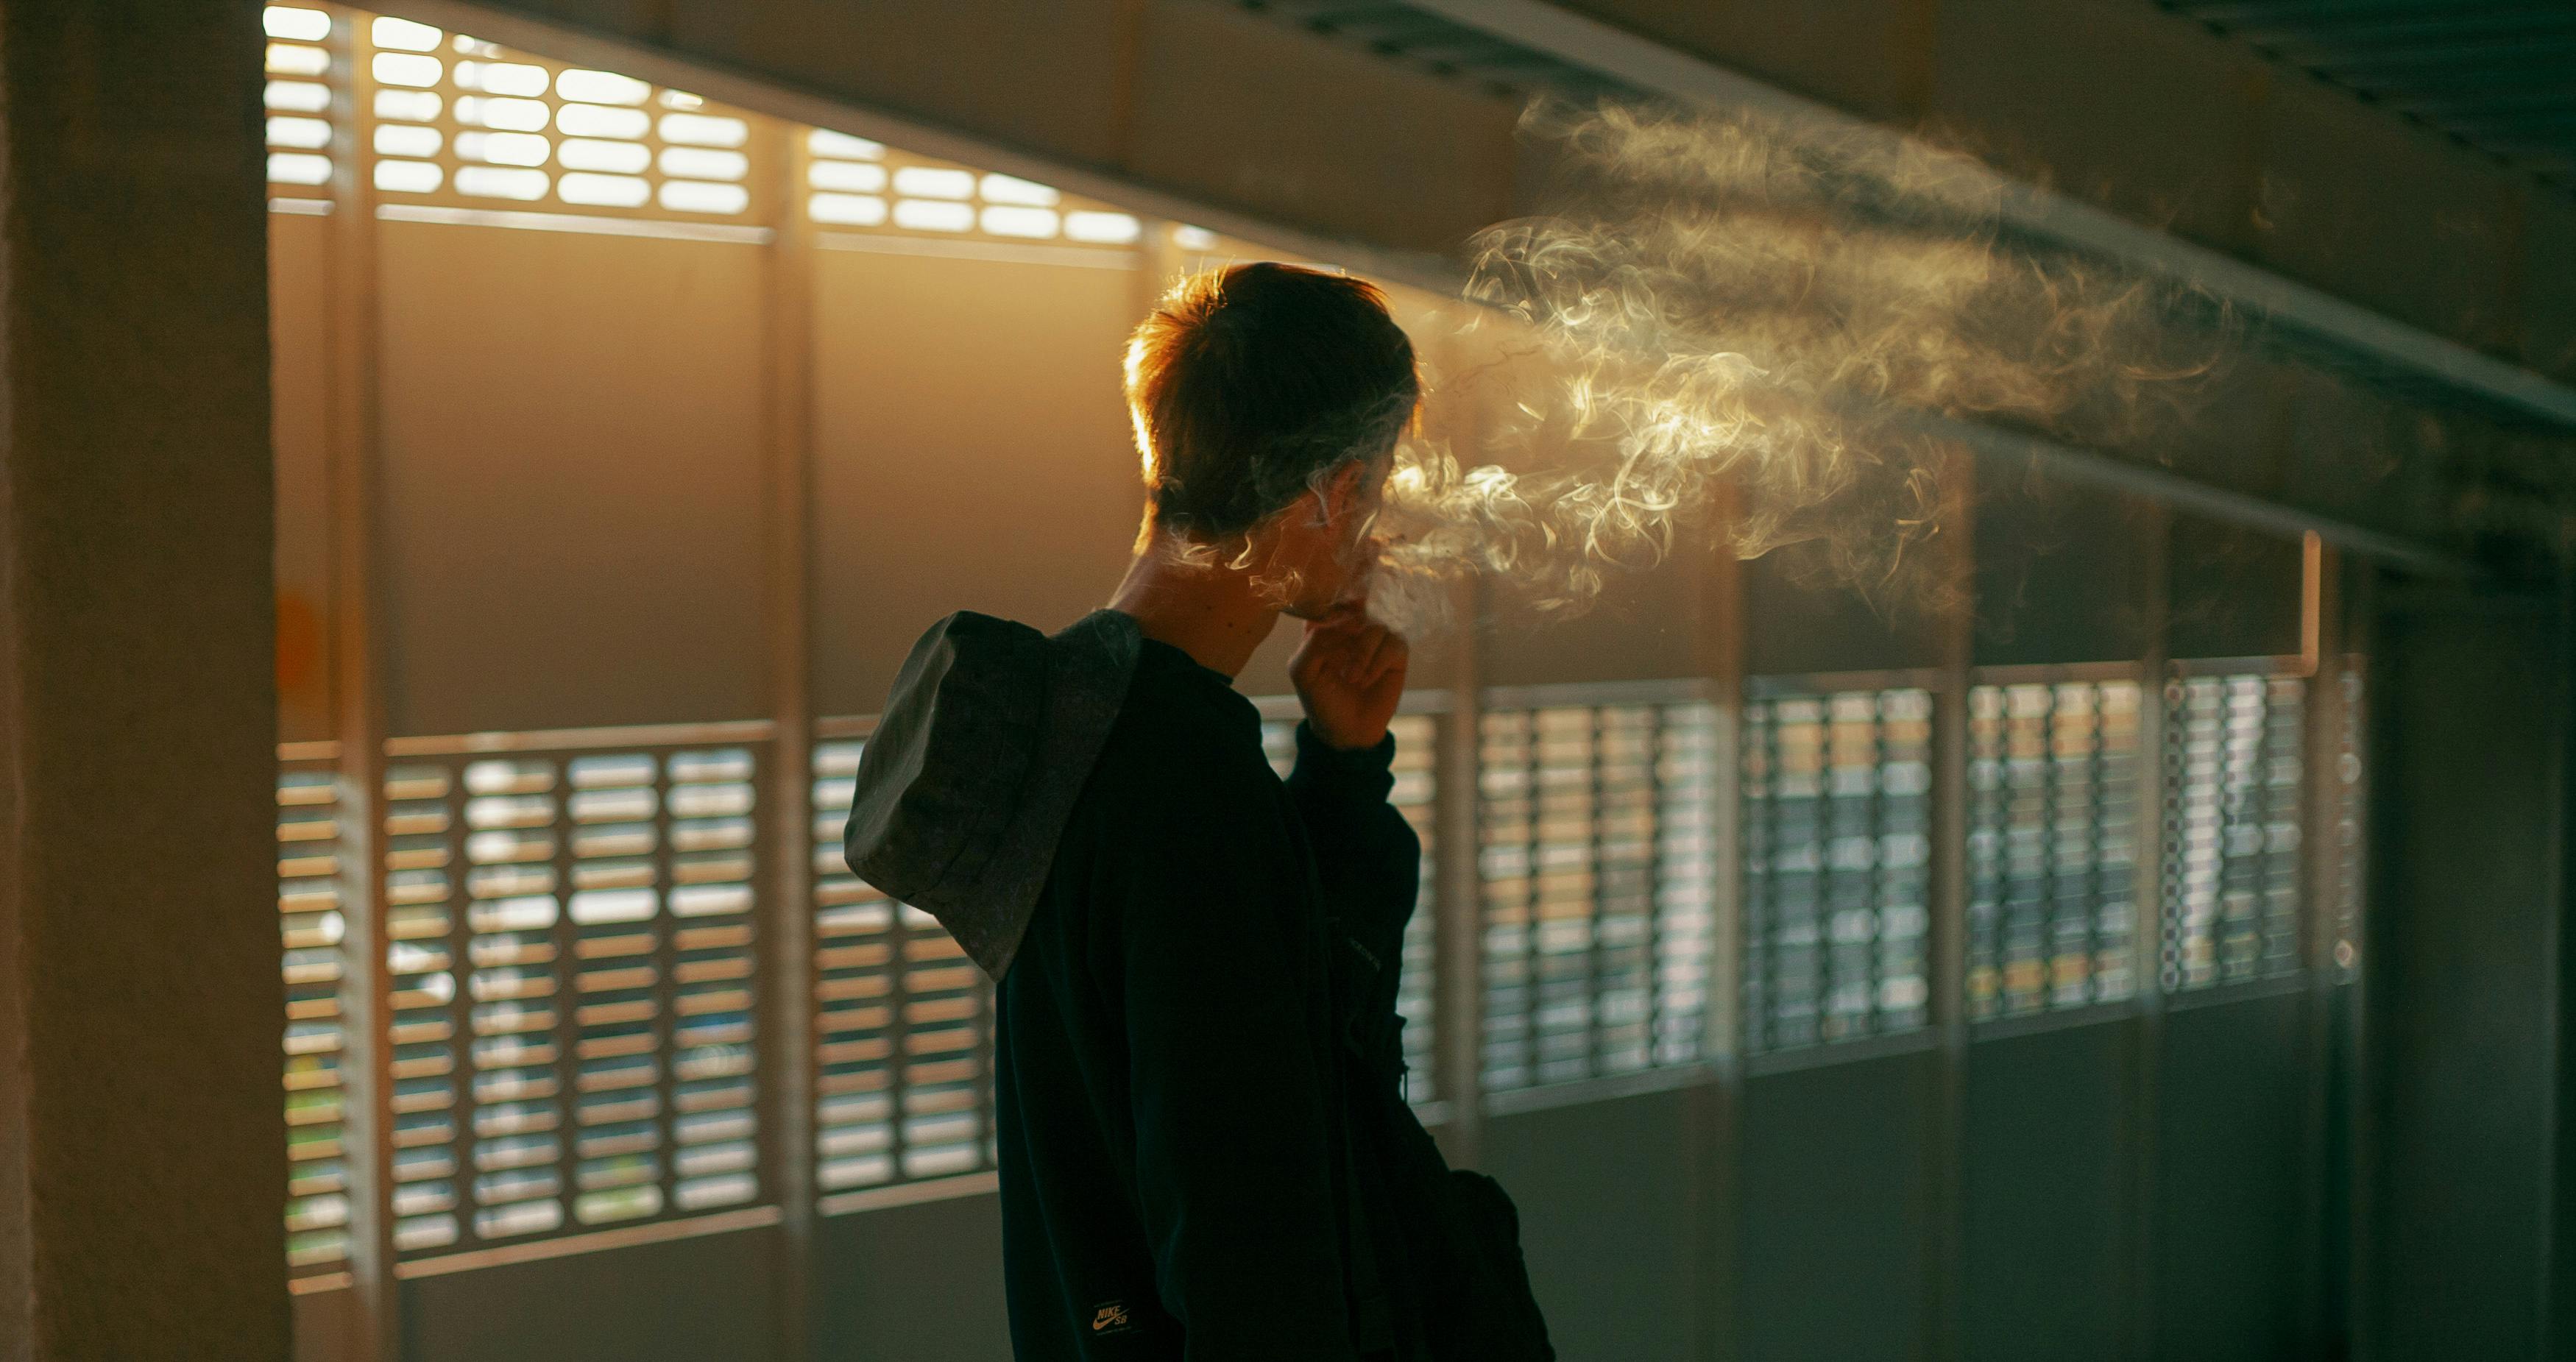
[[1211, 613]]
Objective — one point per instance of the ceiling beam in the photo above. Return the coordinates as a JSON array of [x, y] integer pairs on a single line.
[[2355, 332]]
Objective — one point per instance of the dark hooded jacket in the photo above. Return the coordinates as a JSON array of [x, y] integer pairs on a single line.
[[1190, 952]]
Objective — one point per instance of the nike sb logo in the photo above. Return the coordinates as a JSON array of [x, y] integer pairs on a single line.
[[1111, 1318]]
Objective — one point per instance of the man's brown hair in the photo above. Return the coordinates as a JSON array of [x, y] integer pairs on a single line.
[[1249, 384]]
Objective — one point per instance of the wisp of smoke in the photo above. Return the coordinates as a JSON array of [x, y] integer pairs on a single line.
[[1727, 298]]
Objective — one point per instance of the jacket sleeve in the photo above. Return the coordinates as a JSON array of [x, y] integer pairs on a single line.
[[1369, 861], [1234, 1147]]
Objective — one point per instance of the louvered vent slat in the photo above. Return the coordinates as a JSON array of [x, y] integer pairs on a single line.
[[2351, 796], [311, 928], [2235, 763], [903, 1029], [463, 122], [1594, 870], [1837, 857], [1685, 910], [858, 186], [302, 100], [571, 941], [2052, 845]]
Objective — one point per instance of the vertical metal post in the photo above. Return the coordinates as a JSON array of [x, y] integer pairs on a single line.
[[1947, 958], [1128, 63], [1596, 726], [2052, 793], [663, 951], [1985, 874], [1713, 1109], [1759, 901], [1533, 977], [786, 999], [358, 713], [2097, 767], [2147, 931], [1158, 263], [2555, 1183], [2258, 805], [2361, 1123], [1458, 935], [1657, 934], [1873, 821], [1458, 938], [2321, 645]]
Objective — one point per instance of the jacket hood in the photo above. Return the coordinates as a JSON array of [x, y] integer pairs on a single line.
[[966, 785]]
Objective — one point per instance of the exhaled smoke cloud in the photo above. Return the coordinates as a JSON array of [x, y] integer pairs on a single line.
[[1730, 299]]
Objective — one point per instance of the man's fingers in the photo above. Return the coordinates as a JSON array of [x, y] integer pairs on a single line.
[[1389, 657], [1360, 662], [1398, 655], [1384, 652], [1338, 643], [1357, 650]]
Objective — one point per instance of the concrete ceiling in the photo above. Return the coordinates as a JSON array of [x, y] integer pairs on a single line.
[[1382, 136], [2498, 75]]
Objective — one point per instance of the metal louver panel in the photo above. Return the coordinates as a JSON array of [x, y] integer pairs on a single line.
[[571, 943], [2052, 845], [1836, 814], [2234, 760], [302, 100], [2351, 795], [460, 122], [310, 922], [863, 187], [903, 1028], [1594, 869]]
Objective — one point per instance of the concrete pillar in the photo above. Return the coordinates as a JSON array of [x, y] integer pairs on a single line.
[[142, 1146]]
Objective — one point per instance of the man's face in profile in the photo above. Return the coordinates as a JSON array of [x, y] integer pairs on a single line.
[[1331, 554]]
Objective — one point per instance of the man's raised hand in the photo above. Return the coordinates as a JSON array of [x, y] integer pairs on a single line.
[[1349, 673]]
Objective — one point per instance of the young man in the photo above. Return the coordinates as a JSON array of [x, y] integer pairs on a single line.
[[1193, 956]]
